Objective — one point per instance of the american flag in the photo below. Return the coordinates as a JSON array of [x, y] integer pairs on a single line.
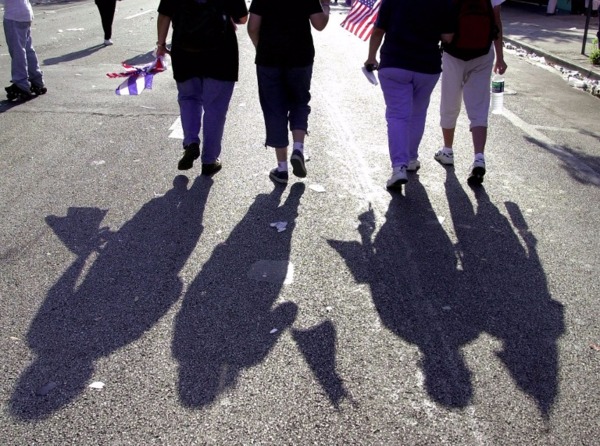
[[138, 78], [362, 17]]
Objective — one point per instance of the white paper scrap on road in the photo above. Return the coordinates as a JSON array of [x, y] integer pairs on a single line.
[[97, 385], [273, 331], [272, 271], [279, 225], [317, 188]]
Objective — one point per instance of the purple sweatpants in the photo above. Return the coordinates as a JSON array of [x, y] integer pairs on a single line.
[[203, 105], [406, 95]]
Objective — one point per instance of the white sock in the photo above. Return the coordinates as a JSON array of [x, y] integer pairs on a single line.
[[447, 150], [299, 146], [282, 166], [479, 157]]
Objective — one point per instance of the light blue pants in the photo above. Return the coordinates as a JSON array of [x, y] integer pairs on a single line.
[[406, 94], [203, 104], [25, 68]]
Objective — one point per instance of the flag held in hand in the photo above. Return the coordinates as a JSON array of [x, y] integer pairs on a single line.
[[138, 78], [361, 18]]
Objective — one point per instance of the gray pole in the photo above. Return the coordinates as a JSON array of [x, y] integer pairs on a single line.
[[588, 14]]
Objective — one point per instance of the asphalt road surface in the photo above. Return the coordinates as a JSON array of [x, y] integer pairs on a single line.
[[141, 305]]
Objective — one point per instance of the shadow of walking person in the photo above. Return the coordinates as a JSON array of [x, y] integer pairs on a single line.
[[129, 285], [505, 292], [228, 321], [411, 268], [318, 346]]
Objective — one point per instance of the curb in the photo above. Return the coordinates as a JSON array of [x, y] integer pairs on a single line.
[[584, 71]]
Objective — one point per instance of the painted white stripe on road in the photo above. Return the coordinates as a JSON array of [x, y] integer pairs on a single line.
[[584, 170], [176, 129], [138, 14]]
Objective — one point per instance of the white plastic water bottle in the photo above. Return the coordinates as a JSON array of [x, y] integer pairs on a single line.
[[497, 91]]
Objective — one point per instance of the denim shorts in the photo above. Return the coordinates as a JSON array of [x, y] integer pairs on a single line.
[[284, 95]]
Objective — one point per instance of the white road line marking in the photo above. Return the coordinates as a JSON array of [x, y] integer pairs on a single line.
[[138, 14], [583, 169], [176, 129]]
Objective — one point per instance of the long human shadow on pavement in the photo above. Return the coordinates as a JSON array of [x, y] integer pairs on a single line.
[[229, 320], [441, 297], [93, 311], [318, 346], [505, 291], [74, 55], [583, 168], [411, 268]]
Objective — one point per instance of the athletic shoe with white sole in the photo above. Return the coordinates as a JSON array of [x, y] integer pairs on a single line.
[[279, 176], [444, 158], [413, 165], [397, 179]]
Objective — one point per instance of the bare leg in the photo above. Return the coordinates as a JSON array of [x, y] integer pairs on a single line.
[[479, 135], [448, 135], [298, 135], [281, 154]]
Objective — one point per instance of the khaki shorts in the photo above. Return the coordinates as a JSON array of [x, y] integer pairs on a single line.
[[469, 81]]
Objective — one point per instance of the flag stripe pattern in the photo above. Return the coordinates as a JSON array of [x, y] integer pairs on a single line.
[[361, 18], [138, 78]]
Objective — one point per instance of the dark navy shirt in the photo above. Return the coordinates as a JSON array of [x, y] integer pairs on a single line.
[[285, 37], [412, 33], [221, 63]]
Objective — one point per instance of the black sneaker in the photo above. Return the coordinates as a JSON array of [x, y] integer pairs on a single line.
[[14, 92], [192, 152], [212, 168], [279, 176], [38, 90], [477, 173], [298, 166]]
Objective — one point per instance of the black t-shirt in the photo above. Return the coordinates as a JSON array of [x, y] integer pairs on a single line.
[[285, 38], [221, 63], [412, 33]]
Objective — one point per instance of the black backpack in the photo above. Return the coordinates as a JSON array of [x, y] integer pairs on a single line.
[[199, 25], [476, 29]]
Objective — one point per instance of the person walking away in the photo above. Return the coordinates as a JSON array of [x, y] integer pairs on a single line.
[[467, 64], [205, 61], [409, 68], [27, 78], [107, 14], [281, 34]]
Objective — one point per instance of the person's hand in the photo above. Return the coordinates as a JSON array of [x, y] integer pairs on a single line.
[[500, 66], [371, 64], [161, 50]]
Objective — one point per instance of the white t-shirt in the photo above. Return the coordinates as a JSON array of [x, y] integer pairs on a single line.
[[18, 10]]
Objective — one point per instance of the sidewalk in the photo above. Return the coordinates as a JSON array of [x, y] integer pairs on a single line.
[[559, 38]]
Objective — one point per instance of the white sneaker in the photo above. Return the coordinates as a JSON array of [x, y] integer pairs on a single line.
[[398, 178], [413, 165], [108, 42], [445, 158]]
